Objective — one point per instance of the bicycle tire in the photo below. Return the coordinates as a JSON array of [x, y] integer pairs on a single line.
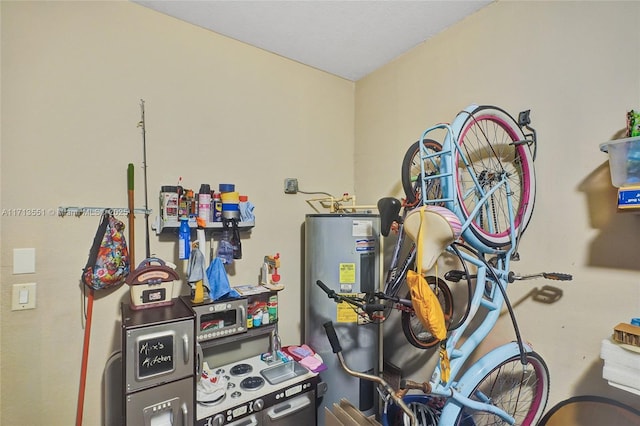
[[412, 327], [486, 138], [410, 176], [521, 393]]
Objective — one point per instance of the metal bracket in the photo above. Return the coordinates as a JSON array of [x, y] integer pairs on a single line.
[[97, 211]]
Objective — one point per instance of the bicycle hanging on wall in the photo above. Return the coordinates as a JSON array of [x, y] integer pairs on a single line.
[[483, 178]]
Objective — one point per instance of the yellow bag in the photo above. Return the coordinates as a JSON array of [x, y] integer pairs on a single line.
[[426, 305], [425, 302]]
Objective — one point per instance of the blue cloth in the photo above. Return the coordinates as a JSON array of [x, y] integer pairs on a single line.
[[246, 212], [219, 282]]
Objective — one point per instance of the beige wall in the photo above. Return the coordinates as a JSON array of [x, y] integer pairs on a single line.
[[220, 111], [576, 65], [217, 111]]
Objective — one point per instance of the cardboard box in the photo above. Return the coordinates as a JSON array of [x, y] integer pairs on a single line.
[[345, 414]]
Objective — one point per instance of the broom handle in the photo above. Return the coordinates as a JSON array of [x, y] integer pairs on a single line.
[[131, 216], [85, 358]]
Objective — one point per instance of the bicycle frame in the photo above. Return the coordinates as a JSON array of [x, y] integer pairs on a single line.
[[461, 389], [459, 355], [397, 272], [450, 149], [493, 302]]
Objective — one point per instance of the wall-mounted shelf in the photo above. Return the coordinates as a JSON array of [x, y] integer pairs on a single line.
[[172, 208], [161, 226]]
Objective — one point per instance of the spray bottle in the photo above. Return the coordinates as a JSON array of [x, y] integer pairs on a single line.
[[184, 239], [204, 202]]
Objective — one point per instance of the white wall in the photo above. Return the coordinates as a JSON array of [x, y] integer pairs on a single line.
[[576, 65], [220, 111], [217, 111]]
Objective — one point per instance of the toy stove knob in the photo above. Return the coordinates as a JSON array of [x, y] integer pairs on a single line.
[[218, 420], [258, 405]]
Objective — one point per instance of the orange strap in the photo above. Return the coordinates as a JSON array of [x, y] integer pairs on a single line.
[[419, 242], [445, 365]]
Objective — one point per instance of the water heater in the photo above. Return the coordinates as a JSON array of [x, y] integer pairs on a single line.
[[343, 251]]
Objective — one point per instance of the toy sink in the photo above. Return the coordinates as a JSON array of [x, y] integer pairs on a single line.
[[283, 372]]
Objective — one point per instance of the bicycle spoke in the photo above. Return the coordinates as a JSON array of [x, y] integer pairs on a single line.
[[520, 391], [411, 175], [489, 162]]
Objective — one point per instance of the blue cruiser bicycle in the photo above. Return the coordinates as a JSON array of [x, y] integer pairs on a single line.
[[484, 177]]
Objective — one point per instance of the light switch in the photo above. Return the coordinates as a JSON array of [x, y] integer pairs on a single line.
[[24, 297], [24, 261]]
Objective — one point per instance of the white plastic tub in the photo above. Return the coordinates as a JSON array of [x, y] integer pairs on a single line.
[[624, 161]]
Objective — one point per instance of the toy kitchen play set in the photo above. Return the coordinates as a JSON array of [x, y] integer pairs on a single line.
[[209, 360]]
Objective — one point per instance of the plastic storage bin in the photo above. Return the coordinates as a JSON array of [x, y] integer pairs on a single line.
[[624, 161]]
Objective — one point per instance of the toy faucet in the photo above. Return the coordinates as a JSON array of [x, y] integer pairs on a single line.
[[270, 277]]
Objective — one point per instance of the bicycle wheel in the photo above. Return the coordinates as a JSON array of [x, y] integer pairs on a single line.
[[521, 391], [412, 327], [411, 182], [486, 140]]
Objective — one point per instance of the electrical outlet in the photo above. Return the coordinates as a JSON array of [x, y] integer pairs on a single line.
[[291, 186]]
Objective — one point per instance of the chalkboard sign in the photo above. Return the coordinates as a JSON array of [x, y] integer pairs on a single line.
[[155, 355]]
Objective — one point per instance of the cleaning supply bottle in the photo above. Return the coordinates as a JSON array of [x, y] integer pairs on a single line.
[[216, 208], [184, 239], [183, 209], [204, 202]]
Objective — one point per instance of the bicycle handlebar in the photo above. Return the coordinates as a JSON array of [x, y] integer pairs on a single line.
[[455, 276], [388, 390], [332, 294], [374, 307], [407, 384], [332, 336], [368, 308], [556, 276]]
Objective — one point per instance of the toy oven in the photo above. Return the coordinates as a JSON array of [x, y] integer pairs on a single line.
[[158, 366], [221, 318]]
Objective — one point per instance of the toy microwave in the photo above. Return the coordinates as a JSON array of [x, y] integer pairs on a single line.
[[220, 318]]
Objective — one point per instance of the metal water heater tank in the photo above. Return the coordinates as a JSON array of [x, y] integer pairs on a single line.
[[343, 251]]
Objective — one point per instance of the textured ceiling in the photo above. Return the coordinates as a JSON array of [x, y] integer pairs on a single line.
[[347, 38]]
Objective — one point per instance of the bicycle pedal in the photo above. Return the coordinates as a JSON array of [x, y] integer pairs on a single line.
[[454, 276]]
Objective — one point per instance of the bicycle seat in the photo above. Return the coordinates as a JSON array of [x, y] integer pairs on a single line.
[[440, 227], [389, 209]]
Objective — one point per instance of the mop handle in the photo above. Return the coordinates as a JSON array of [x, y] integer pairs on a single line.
[[131, 216]]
